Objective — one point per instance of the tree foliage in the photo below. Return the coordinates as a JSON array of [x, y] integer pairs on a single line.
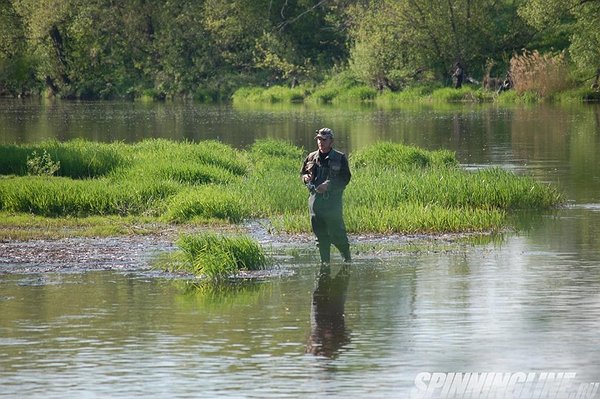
[[208, 48], [579, 18], [402, 38]]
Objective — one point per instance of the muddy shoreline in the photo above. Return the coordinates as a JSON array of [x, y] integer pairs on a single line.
[[138, 252]]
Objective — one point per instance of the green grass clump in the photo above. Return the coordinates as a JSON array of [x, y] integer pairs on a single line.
[[412, 217], [217, 256], [409, 95], [513, 97], [449, 188], [324, 95], [78, 159], [267, 148], [387, 154], [60, 196], [270, 95], [355, 94], [576, 96], [161, 153], [206, 203], [274, 157]]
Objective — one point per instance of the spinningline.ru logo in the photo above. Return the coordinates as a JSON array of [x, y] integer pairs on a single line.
[[489, 385]]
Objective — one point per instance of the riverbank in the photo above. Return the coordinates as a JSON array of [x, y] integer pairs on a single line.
[[335, 92]]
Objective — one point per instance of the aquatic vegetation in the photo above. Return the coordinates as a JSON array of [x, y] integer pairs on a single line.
[[78, 159], [395, 188], [207, 202], [334, 92], [217, 256], [270, 95], [356, 94], [387, 154], [467, 93], [61, 196], [275, 148]]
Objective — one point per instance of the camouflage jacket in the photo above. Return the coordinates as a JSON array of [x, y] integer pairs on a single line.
[[333, 167]]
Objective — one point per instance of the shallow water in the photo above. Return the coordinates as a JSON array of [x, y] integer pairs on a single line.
[[527, 301]]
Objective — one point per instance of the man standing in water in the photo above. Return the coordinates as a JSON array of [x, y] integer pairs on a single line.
[[326, 174]]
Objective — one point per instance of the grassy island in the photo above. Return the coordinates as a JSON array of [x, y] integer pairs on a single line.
[[394, 189]]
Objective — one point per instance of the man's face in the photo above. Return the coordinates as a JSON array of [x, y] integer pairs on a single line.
[[324, 144]]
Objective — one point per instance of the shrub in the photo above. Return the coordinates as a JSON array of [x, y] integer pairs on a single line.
[[41, 165]]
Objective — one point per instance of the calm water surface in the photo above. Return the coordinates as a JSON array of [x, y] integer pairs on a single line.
[[528, 301]]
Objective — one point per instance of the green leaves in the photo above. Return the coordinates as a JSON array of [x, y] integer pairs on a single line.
[[208, 48], [580, 21]]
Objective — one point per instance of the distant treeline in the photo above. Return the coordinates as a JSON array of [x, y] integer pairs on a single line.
[[206, 49]]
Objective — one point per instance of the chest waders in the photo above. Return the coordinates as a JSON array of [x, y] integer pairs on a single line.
[[326, 210]]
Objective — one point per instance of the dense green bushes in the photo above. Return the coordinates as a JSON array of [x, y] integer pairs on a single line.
[[205, 50]]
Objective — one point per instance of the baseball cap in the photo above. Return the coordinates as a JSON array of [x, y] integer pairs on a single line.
[[325, 133]]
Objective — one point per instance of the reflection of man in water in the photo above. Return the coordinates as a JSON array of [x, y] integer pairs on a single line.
[[328, 328]]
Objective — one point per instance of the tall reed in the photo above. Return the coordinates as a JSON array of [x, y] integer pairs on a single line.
[[543, 74]]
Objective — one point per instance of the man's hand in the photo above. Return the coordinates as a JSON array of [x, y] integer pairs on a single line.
[[323, 187], [305, 179]]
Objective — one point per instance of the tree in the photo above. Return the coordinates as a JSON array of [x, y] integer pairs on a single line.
[[382, 55], [434, 35], [580, 18], [16, 67]]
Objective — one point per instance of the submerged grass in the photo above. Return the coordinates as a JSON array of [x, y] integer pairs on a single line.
[[395, 188]]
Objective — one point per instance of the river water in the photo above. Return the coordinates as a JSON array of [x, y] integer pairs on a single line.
[[524, 302]]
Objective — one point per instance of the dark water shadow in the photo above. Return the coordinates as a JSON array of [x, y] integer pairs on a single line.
[[329, 333]]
